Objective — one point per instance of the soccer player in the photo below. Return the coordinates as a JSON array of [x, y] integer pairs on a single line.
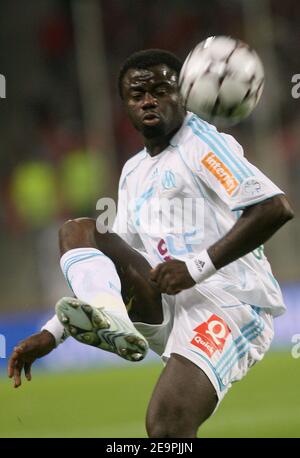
[[200, 289]]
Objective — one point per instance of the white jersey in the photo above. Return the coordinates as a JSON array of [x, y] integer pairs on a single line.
[[204, 182]]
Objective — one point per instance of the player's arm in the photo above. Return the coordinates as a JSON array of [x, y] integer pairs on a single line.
[[217, 161], [256, 225], [26, 352], [33, 347]]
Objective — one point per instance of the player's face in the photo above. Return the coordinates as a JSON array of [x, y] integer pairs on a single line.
[[152, 100]]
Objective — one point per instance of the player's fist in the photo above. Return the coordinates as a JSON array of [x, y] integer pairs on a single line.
[[26, 352], [172, 277]]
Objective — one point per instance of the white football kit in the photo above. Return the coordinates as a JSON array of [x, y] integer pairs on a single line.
[[178, 203]]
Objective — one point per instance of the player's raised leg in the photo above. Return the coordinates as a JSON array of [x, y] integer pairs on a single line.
[[182, 400], [103, 272]]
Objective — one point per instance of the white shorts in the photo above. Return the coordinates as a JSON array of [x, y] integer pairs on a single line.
[[214, 330]]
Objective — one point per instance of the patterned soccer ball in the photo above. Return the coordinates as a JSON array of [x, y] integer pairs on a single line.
[[222, 80]]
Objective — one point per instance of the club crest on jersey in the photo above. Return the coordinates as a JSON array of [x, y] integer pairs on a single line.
[[221, 172], [211, 335], [168, 180]]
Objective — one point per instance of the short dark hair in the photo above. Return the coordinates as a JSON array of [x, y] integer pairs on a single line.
[[149, 58]]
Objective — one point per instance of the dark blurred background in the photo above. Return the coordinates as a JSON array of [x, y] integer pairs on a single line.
[[64, 135], [63, 140]]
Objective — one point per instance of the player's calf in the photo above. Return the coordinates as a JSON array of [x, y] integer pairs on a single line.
[[132, 268]]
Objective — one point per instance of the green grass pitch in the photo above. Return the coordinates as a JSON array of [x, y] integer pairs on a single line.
[[112, 403]]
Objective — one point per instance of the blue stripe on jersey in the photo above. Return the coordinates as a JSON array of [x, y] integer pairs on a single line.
[[209, 142], [201, 189], [139, 203], [220, 148], [222, 141]]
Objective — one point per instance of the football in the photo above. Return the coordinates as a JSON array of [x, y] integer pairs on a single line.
[[222, 80]]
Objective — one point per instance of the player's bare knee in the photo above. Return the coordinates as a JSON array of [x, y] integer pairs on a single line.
[[77, 233]]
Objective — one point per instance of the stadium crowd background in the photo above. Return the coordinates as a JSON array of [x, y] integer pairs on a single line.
[[61, 147], [63, 140], [64, 135]]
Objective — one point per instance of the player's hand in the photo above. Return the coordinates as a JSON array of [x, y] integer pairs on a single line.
[[26, 352], [172, 277]]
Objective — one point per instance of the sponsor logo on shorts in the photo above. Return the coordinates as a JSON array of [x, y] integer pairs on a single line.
[[211, 335], [220, 171]]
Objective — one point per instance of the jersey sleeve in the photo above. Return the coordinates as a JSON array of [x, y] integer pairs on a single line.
[[218, 161]]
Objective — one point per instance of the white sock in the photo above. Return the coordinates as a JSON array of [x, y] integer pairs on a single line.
[[93, 278]]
